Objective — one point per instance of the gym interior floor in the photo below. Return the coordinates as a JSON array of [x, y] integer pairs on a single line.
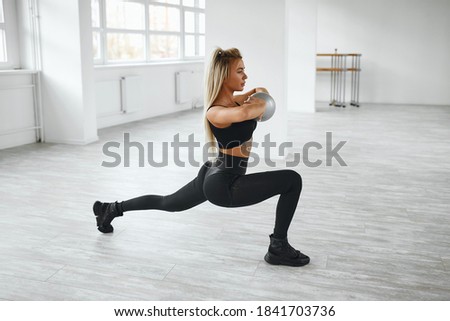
[[377, 229]]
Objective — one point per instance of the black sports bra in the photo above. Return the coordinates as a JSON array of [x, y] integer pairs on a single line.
[[234, 135]]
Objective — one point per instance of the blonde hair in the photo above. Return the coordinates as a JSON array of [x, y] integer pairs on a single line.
[[218, 70]]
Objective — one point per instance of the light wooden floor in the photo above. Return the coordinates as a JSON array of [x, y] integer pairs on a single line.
[[378, 229]]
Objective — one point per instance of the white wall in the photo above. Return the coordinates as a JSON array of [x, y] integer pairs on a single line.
[[301, 35], [87, 72], [67, 72], [405, 45], [17, 93], [256, 28], [69, 79], [158, 94], [16, 109]]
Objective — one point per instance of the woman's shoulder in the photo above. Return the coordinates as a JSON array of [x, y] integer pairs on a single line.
[[215, 106]]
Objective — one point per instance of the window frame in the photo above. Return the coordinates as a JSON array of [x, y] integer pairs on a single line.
[[196, 33], [9, 26], [103, 31]]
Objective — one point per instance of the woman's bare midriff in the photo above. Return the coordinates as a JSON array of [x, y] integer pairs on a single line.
[[239, 151]]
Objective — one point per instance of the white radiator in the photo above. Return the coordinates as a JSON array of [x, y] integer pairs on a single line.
[[189, 88], [123, 95], [132, 93]]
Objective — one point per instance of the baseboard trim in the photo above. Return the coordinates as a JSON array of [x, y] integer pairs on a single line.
[[71, 141]]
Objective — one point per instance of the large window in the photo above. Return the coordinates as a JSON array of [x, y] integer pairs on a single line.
[[131, 31], [9, 44], [3, 57]]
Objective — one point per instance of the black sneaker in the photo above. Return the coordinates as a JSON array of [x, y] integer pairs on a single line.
[[105, 213], [282, 253]]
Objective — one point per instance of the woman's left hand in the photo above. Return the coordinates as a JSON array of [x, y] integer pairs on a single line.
[[261, 89]]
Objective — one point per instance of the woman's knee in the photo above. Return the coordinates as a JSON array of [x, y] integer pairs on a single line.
[[170, 204], [296, 179]]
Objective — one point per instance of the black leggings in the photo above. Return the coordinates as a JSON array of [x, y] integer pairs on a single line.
[[224, 183]]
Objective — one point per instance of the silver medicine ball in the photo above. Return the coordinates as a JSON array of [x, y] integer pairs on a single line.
[[270, 105]]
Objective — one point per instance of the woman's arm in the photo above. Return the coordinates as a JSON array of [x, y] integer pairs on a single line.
[[222, 117]]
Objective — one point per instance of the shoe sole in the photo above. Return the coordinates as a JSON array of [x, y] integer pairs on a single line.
[[97, 212], [276, 260]]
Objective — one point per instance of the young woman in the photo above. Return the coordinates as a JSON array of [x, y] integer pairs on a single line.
[[229, 124]]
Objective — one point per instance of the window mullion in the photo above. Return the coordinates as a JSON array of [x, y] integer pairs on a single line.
[[118, 30], [147, 31], [103, 40], [197, 30], [182, 32], [164, 33], [4, 29]]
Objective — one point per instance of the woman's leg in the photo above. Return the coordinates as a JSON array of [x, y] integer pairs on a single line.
[[186, 197], [228, 190], [254, 188], [225, 189]]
